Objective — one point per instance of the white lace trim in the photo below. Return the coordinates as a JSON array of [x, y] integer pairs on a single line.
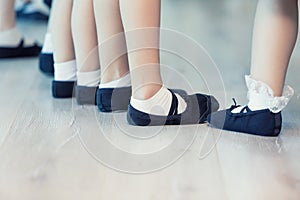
[[275, 104]]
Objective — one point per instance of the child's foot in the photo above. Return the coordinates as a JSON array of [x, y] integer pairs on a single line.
[[64, 79], [46, 61], [12, 44], [262, 115], [87, 85], [168, 107], [259, 122]]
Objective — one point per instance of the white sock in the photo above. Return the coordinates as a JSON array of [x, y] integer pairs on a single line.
[[12, 38], [89, 79], [159, 104], [256, 102], [261, 96], [65, 71], [19, 5], [124, 81], [37, 6], [47, 47]]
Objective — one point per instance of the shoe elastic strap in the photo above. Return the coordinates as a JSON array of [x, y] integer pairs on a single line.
[[245, 108], [174, 105]]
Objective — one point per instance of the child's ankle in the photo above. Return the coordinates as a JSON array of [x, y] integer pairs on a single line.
[[123, 81], [146, 92]]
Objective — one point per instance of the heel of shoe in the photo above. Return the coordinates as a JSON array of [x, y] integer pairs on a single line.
[[277, 123], [212, 105], [113, 99], [46, 63], [63, 89], [86, 95]]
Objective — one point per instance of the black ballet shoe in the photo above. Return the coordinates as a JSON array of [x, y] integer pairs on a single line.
[[198, 108], [117, 99], [20, 51], [63, 89], [260, 122], [86, 95], [46, 63], [113, 99]]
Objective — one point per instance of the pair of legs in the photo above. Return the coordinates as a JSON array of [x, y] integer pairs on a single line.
[[74, 40], [129, 15], [274, 37], [151, 103]]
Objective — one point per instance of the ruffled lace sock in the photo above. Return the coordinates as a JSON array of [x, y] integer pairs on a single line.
[[261, 96]]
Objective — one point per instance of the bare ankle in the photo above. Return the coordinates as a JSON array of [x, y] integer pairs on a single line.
[[146, 92]]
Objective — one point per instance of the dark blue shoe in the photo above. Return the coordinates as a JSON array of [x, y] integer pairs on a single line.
[[198, 108], [113, 99], [86, 95], [260, 122], [117, 99], [20, 51], [63, 89], [46, 63]]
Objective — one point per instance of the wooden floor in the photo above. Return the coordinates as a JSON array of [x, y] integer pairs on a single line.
[[56, 150]]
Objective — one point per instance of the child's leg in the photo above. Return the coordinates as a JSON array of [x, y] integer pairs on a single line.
[[149, 95], [274, 37], [12, 43], [46, 61], [63, 49], [275, 34], [151, 103], [146, 81], [135, 15], [85, 36], [86, 50], [109, 24], [48, 44], [61, 31], [115, 89], [7, 15]]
